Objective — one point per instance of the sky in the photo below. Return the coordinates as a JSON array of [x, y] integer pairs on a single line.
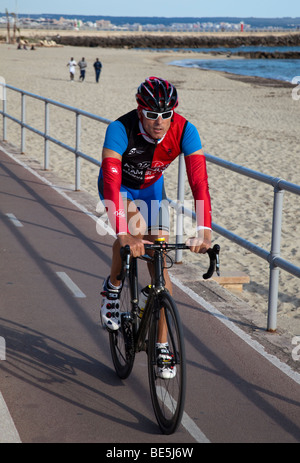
[[165, 8]]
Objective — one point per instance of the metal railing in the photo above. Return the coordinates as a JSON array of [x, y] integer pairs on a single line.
[[47, 138], [272, 256], [279, 186]]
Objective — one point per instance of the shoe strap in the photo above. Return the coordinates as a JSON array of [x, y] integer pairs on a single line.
[[164, 352], [111, 293]]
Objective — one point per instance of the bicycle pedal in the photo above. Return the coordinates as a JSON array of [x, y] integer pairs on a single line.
[[127, 316]]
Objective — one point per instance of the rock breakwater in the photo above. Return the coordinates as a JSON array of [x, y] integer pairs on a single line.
[[177, 41]]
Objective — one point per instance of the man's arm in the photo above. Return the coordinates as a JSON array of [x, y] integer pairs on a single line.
[[112, 179], [117, 214], [197, 176]]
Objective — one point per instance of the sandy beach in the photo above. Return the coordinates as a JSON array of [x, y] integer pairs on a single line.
[[248, 123]]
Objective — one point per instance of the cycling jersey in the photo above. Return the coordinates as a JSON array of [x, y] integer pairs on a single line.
[[144, 161]]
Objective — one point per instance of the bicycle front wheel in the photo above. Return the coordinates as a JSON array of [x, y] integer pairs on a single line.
[[121, 341], [168, 395]]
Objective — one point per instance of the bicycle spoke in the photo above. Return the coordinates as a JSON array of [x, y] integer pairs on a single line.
[[167, 400]]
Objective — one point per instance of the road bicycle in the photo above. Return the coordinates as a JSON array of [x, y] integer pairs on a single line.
[[140, 334]]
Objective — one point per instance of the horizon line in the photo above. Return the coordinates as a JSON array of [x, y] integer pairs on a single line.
[[167, 17]]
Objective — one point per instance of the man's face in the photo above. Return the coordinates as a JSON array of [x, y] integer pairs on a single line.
[[155, 128]]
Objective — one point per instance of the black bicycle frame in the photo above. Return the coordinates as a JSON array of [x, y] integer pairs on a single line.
[[140, 329]]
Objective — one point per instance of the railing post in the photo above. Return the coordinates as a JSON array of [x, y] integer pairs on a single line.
[[23, 121], [77, 148], [275, 252], [46, 146], [179, 209], [4, 111]]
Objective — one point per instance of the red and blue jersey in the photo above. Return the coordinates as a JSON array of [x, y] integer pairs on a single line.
[[144, 160]]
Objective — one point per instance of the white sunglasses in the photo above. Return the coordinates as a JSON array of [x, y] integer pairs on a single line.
[[153, 116]]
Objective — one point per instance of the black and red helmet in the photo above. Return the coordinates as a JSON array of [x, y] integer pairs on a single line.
[[157, 95]]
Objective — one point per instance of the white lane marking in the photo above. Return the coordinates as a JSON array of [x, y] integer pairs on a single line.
[[244, 336], [14, 220], [70, 284], [186, 421], [8, 431], [2, 348], [99, 223]]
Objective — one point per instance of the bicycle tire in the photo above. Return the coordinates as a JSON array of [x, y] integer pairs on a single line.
[[121, 341], [167, 395]]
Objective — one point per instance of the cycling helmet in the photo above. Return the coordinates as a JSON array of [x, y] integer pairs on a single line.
[[157, 95]]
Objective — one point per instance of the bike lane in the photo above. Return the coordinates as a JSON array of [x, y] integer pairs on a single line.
[[58, 381]]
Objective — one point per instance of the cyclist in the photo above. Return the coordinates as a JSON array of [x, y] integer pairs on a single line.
[[138, 147]]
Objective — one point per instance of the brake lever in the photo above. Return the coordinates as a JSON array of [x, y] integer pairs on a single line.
[[214, 262]]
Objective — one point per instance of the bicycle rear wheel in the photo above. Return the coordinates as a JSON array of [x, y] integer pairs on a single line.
[[168, 395], [121, 341]]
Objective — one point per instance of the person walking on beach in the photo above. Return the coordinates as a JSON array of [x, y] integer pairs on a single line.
[[72, 63], [82, 66], [138, 147], [98, 68]]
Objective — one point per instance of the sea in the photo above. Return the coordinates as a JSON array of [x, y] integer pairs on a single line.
[[287, 70]]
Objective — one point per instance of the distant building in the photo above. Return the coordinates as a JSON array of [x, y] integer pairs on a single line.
[[104, 24]]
